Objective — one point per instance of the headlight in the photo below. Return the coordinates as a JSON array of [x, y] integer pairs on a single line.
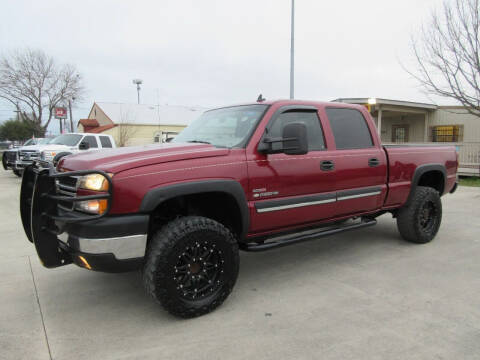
[[95, 182], [47, 155]]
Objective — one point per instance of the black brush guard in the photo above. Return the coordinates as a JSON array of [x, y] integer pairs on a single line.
[[41, 218]]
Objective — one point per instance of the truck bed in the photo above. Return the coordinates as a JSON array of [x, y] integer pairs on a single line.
[[405, 159]]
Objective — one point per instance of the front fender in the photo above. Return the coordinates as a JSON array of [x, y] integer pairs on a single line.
[[158, 195]]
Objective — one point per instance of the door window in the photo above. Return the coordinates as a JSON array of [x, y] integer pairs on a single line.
[[309, 118], [349, 128]]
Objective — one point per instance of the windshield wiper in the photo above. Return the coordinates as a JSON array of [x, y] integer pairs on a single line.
[[199, 142]]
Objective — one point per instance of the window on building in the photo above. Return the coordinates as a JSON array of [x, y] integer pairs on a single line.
[[447, 133], [399, 133], [311, 121], [349, 128], [91, 141], [105, 141]]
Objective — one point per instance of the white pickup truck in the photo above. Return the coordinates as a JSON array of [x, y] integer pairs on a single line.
[[73, 143]]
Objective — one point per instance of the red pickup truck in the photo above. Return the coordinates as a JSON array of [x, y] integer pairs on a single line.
[[253, 177]]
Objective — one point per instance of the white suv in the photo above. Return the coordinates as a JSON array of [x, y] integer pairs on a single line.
[[74, 143]]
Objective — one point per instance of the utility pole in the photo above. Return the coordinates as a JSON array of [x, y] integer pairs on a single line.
[[138, 82], [70, 109], [292, 52]]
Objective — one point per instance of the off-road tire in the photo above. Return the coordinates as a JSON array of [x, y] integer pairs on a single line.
[[411, 217], [169, 244], [18, 172]]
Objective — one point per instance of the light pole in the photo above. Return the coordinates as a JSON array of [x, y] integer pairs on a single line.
[[292, 52], [138, 82], [70, 109]]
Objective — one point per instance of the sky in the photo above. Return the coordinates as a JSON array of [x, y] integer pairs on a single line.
[[214, 53]]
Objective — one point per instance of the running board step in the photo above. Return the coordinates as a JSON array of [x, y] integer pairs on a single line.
[[298, 238]]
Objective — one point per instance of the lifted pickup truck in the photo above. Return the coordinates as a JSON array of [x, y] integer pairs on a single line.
[[253, 177]]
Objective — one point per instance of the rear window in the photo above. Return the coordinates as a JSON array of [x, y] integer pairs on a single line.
[[349, 128], [105, 141]]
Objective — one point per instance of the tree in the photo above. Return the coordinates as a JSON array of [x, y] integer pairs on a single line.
[[125, 131], [447, 54], [35, 84], [19, 130]]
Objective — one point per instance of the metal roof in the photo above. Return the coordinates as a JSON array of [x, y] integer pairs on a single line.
[[380, 101], [144, 114]]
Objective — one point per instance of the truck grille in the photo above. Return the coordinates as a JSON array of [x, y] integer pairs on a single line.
[[28, 155], [67, 186]]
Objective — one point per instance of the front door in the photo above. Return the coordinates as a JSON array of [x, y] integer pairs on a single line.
[[291, 190]]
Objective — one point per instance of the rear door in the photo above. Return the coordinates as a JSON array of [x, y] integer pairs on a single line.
[[290, 190], [360, 162]]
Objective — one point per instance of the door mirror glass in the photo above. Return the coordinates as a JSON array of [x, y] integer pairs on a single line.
[[295, 141]]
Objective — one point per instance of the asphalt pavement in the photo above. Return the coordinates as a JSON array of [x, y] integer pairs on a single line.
[[365, 294]]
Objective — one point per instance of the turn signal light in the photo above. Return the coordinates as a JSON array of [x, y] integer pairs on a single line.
[[93, 206]]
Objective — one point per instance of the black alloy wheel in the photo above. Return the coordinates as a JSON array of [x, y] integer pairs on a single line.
[[199, 270], [420, 220]]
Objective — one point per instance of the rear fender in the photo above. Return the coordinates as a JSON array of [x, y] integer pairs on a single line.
[[421, 170]]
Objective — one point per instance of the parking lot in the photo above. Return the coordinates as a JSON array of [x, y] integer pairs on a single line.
[[360, 295]]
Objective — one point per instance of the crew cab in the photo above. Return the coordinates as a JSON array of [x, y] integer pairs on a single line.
[[73, 143], [253, 177]]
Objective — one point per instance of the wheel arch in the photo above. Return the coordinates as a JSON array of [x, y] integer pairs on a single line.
[[430, 175], [231, 190]]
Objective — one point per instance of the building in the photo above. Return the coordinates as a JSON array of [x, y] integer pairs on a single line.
[[412, 122], [138, 124]]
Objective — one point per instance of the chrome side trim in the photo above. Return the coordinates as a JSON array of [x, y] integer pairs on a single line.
[[125, 247], [347, 197], [291, 206]]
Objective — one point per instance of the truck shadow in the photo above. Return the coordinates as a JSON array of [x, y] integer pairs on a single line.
[[353, 249]]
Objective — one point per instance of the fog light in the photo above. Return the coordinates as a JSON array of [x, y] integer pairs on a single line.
[[93, 206]]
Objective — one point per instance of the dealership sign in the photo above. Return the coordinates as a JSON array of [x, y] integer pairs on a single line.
[[60, 113]]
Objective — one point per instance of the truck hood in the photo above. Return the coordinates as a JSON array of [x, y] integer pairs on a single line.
[[56, 147], [34, 147], [120, 159]]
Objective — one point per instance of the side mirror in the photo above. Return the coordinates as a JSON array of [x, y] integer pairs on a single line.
[[83, 145], [295, 141]]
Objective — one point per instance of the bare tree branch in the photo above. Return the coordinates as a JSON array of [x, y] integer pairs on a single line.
[[36, 84], [125, 130], [447, 54]]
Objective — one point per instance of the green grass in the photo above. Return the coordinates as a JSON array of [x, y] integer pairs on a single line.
[[470, 181]]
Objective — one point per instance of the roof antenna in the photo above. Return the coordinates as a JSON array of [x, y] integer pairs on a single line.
[[260, 98]]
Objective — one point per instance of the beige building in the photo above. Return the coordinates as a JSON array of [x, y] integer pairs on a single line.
[[412, 122], [138, 124]]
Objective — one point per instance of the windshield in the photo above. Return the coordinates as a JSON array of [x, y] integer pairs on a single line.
[[226, 127], [29, 142], [67, 139]]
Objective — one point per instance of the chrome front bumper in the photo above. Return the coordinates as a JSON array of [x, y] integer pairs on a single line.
[[122, 248]]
